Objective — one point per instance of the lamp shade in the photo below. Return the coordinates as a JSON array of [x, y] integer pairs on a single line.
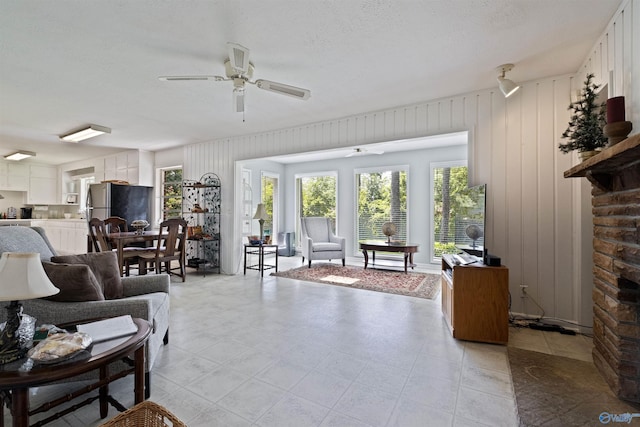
[[22, 277], [507, 87], [261, 212]]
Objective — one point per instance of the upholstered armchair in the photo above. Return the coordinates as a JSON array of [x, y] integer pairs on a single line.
[[319, 241]]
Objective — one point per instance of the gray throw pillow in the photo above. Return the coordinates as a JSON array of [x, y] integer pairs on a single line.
[[104, 266], [75, 281]]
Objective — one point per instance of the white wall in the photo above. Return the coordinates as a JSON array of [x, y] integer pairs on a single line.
[[532, 209]]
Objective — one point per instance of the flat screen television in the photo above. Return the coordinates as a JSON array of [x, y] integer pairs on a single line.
[[470, 223]]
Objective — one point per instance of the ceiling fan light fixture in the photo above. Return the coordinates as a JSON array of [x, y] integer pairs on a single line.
[[507, 87], [20, 155], [238, 100], [85, 133]]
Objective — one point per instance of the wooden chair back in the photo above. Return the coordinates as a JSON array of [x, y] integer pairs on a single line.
[[172, 246], [115, 224], [98, 232]]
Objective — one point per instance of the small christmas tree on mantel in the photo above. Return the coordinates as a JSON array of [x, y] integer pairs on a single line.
[[585, 127]]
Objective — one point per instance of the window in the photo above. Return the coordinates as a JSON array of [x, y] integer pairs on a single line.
[[316, 196], [382, 197], [270, 200], [449, 206], [171, 197]]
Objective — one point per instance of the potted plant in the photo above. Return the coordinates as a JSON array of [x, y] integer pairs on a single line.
[[584, 132]]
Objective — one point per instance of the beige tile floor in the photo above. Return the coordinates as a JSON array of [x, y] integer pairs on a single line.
[[246, 351]]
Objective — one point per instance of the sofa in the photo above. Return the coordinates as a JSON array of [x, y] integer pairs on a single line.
[[145, 297]]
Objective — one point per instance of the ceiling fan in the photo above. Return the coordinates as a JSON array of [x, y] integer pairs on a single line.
[[363, 152], [239, 70]]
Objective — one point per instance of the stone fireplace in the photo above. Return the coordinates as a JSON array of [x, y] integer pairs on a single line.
[[615, 178]]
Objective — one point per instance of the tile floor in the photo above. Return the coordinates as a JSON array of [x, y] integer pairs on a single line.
[[246, 351]]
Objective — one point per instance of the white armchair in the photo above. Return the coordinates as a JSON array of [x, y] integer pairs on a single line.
[[319, 242]]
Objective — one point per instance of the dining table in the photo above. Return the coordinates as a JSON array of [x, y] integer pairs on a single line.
[[120, 240]]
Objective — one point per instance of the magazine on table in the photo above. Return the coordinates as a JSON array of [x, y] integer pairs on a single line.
[[107, 329]]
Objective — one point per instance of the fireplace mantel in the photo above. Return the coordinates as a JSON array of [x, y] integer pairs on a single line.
[[602, 168], [615, 201]]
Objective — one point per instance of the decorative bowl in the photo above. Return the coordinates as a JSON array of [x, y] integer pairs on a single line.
[[139, 225]]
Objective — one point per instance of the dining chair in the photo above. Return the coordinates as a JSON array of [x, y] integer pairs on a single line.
[[115, 224], [100, 236], [170, 247]]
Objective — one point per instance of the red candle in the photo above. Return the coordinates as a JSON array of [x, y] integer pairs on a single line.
[[615, 109]]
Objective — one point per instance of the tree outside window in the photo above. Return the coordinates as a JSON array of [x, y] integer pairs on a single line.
[[450, 204], [382, 197], [171, 193]]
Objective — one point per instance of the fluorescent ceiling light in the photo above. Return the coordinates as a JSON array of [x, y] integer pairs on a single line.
[[85, 133], [20, 155]]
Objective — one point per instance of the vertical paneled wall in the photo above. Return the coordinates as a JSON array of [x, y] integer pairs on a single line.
[[513, 148]]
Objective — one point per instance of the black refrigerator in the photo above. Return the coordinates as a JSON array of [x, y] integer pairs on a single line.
[[131, 202]]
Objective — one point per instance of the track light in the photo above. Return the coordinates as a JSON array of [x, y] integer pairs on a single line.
[[507, 87], [20, 155], [85, 133]]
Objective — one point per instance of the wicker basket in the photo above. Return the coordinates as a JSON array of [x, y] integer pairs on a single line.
[[145, 414]]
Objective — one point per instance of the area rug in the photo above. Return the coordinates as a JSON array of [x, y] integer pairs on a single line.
[[559, 391], [420, 285]]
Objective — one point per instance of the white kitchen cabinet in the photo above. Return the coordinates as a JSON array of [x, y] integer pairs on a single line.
[[67, 236], [133, 166], [43, 185], [14, 176]]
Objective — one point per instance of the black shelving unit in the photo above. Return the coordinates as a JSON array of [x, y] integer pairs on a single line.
[[201, 209]]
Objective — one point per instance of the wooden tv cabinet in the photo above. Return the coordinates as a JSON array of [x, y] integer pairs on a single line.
[[475, 301]]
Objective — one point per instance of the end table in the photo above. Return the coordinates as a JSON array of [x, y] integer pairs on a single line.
[[261, 251]]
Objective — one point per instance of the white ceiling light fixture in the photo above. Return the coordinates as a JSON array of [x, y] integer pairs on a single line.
[[507, 87], [363, 152], [20, 155], [85, 133]]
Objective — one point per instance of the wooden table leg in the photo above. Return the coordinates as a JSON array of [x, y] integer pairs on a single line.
[[103, 393], [138, 379], [120, 251], [406, 258], [366, 258], [20, 407]]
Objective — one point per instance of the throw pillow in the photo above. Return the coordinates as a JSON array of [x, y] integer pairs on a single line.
[[75, 281], [104, 266]]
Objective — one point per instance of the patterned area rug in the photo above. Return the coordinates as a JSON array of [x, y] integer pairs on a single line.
[[420, 285]]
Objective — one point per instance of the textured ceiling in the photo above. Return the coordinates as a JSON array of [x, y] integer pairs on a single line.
[[66, 63]]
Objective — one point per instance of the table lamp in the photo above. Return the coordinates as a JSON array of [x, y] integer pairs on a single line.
[[261, 216], [21, 277]]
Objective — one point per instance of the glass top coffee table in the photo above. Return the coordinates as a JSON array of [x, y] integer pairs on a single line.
[[17, 377], [407, 249]]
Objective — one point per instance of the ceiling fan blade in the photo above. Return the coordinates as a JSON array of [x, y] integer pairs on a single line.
[[190, 78], [238, 100], [238, 57], [283, 89]]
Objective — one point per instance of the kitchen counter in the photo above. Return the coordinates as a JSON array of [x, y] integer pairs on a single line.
[[26, 222], [33, 221]]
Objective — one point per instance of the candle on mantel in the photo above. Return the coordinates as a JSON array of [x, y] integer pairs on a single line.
[[615, 109]]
